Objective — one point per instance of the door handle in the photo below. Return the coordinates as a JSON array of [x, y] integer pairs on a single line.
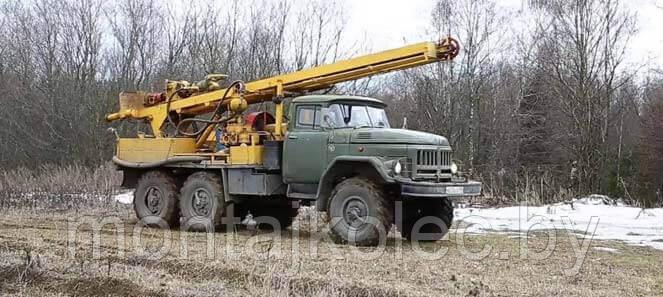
[[293, 136]]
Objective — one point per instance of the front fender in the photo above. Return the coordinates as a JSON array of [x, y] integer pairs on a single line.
[[349, 166]]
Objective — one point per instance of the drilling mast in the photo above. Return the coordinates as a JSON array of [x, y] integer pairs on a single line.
[[182, 101]]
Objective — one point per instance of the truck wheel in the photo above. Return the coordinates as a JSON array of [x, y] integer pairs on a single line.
[[202, 202], [357, 211], [156, 197], [415, 210]]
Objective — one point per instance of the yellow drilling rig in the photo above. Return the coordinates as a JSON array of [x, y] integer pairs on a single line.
[[206, 157]]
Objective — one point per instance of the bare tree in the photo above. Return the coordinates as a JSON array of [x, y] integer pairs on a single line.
[[650, 160], [447, 99], [137, 34], [317, 33], [584, 75]]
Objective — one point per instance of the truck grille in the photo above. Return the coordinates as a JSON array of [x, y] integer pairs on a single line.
[[432, 164]]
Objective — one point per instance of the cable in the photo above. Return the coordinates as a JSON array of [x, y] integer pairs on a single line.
[[170, 119], [198, 132], [208, 122]]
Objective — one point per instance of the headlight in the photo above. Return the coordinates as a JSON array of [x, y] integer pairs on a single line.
[[454, 168], [398, 167]]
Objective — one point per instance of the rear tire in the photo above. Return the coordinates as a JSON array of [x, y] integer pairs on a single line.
[[439, 211], [358, 210], [156, 197], [202, 202]]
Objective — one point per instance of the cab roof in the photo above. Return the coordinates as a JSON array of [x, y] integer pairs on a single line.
[[339, 98]]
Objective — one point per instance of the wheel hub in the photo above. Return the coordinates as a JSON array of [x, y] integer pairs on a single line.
[[355, 212], [201, 202], [153, 200]]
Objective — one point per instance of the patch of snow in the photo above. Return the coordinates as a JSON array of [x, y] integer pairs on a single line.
[[595, 217], [126, 197], [607, 249], [596, 199]]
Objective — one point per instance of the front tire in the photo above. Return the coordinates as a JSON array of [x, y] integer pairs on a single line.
[[202, 202], [359, 213], [432, 218], [156, 198]]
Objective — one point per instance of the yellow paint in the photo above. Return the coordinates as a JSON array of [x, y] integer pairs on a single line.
[[312, 79], [153, 149], [246, 154], [278, 132], [203, 97], [238, 105], [205, 136]]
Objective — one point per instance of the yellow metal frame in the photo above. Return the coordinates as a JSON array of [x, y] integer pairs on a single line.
[[246, 154], [300, 81], [143, 150]]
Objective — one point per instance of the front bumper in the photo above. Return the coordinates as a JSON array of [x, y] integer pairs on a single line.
[[410, 188]]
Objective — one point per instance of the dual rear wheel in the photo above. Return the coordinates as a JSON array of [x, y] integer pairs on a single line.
[[200, 205], [197, 206]]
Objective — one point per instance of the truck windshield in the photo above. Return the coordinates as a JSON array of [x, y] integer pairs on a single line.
[[356, 116]]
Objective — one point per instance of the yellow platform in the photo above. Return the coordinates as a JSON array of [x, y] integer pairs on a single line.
[[246, 154], [142, 150]]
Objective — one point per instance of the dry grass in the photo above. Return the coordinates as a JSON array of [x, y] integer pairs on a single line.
[[257, 269], [59, 187], [36, 259]]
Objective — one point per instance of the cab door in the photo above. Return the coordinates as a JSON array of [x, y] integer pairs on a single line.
[[305, 146]]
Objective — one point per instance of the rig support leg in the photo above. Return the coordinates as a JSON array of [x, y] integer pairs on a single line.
[[278, 100]]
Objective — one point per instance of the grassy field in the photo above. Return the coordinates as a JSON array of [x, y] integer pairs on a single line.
[[41, 255]]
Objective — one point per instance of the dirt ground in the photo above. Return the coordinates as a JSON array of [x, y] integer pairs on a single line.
[[46, 253]]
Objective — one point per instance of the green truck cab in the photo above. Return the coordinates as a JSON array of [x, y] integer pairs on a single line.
[[341, 152]]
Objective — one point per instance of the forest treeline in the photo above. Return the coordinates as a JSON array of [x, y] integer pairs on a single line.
[[540, 108]]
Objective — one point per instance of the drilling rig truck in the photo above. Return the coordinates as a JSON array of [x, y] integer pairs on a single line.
[[205, 160]]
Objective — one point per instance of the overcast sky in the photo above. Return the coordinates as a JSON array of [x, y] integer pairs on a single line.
[[391, 23]]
